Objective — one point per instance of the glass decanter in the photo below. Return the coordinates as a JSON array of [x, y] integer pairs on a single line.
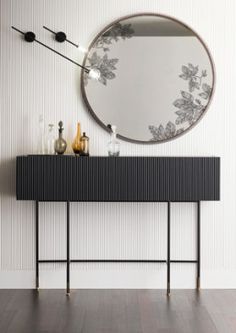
[[113, 144], [60, 144]]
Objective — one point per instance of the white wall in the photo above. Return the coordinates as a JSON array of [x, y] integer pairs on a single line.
[[35, 81]]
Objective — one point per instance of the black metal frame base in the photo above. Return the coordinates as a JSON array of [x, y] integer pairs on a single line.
[[168, 261]]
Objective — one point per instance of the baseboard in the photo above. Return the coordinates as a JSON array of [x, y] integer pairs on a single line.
[[118, 279]]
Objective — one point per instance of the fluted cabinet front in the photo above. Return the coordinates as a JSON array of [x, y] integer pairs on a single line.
[[148, 179]]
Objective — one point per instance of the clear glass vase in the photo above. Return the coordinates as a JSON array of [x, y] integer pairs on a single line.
[[41, 140], [50, 140]]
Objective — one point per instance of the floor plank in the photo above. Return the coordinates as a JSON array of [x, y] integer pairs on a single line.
[[117, 311]]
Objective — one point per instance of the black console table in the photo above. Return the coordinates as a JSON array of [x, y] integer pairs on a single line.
[[125, 179]]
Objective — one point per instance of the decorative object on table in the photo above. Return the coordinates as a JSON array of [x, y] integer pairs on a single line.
[[113, 144], [60, 144], [30, 37], [76, 143], [50, 140], [156, 73], [41, 143], [84, 145]]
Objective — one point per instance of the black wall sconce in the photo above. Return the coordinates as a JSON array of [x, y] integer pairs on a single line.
[[30, 37], [60, 36]]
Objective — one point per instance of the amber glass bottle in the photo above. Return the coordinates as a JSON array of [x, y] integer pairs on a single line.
[[84, 145], [76, 145]]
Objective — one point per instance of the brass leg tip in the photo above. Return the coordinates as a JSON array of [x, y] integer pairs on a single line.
[[168, 288], [68, 294], [37, 289], [198, 284]]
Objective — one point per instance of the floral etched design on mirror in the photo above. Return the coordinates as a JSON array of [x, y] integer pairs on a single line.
[[156, 78]]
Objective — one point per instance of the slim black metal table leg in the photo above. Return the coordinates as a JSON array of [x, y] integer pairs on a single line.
[[168, 248], [68, 248], [198, 244], [37, 243]]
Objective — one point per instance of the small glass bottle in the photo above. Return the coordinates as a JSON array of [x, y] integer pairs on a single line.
[[41, 143], [76, 143], [50, 139], [84, 145], [60, 144], [113, 144]]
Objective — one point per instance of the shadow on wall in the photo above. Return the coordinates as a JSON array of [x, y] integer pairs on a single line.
[[8, 177]]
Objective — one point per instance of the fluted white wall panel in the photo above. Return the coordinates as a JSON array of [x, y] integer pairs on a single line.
[[34, 81]]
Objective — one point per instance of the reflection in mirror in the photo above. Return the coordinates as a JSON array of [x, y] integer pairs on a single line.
[[155, 78]]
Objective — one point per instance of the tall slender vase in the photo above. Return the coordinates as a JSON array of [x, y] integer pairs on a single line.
[[76, 145], [41, 143]]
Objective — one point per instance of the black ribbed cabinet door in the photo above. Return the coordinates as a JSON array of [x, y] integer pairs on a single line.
[[69, 178]]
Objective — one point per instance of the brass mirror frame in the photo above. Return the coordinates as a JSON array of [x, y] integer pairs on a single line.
[[92, 112]]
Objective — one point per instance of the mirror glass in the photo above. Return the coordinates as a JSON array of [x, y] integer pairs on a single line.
[[156, 78]]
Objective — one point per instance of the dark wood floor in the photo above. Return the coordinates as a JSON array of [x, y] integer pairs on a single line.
[[117, 311]]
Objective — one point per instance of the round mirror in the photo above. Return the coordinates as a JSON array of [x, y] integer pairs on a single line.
[[156, 78]]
